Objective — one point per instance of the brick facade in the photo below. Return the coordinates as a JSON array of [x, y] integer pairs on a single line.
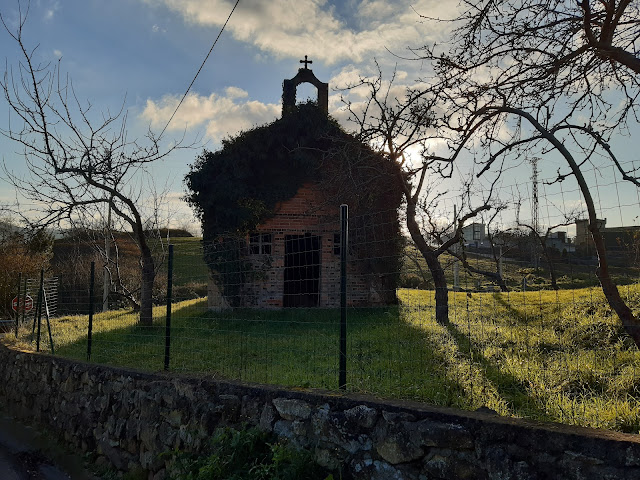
[[292, 259], [309, 214]]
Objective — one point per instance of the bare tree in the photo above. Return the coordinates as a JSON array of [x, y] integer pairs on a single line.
[[519, 78], [401, 125], [543, 239], [77, 161], [496, 276], [582, 55], [115, 250]]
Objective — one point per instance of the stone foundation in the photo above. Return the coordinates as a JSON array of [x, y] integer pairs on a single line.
[[129, 418]]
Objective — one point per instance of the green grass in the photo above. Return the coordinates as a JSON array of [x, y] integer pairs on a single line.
[[569, 275], [245, 454], [560, 356], [188, 263]]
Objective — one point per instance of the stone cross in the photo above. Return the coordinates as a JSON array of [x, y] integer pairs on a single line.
[[305, 61]]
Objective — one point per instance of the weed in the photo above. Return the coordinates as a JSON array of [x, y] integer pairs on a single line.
[[245, 454]]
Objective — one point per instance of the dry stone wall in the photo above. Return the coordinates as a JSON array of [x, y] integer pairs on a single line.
[[129, 418]]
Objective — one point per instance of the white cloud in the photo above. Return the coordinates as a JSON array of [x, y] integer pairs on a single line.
[[50, 12], [221, 115], [348, 76], [374, 10], [290, 28], [235, 92]]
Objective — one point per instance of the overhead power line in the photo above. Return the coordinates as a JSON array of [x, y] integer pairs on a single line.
[[200, 69]]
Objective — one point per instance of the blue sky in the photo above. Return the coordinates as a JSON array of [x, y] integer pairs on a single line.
[[145, 52]]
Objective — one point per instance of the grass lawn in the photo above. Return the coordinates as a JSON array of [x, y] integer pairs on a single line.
[[188, 262], [569, 275], [547, 355]]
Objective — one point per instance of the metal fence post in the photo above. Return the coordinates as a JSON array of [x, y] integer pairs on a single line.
[[24, 296], [167, 333], [18, 305], [90, 330], [344, 245], [39, 309], [46, 311]]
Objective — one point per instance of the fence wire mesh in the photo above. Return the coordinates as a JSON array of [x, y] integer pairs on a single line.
[[265, 307]]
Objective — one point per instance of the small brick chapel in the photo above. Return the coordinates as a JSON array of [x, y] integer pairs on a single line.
[[273, 239]]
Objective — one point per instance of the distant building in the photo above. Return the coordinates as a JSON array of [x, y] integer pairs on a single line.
[[614, 237], [584, 242], [560, 242], [620, 237], [474, 234]]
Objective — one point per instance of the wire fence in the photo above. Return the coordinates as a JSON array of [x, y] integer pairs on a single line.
[[349, 305]]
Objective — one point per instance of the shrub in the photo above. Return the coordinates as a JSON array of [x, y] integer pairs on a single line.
[[246, 454]]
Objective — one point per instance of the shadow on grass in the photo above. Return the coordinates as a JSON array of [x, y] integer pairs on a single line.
[[520, 317], [510, 388], [392, 352], [292, 347], [389, 356]]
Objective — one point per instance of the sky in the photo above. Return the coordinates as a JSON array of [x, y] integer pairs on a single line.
[[143, 54]]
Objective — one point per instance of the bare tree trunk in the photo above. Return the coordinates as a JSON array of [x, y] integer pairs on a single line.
[[442, 292], [629, 321], [552, 268], [493, 276], [497, 259], [610, 290], [431, 257]]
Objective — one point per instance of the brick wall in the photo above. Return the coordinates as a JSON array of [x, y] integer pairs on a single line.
[[306, 213]]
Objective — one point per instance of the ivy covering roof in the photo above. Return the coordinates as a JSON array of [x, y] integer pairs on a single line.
[[237, 187]]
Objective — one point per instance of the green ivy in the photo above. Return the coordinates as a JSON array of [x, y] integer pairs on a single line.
[[237, 187], [246, 454]]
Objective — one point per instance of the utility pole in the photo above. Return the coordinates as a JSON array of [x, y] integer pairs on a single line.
[[535, 219]]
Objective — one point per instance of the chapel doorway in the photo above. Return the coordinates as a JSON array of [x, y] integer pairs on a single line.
[[301, 270]]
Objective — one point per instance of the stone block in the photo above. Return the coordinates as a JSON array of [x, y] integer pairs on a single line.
[[175, 418], [632, 457], [443, 463], [398, 449], [149, 436], [267, 417], [167, 434], [362, 416], [329, 458], [229, 408], [251, 410], [443, 435], [333, 428], [291, 409], [369, 469]]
